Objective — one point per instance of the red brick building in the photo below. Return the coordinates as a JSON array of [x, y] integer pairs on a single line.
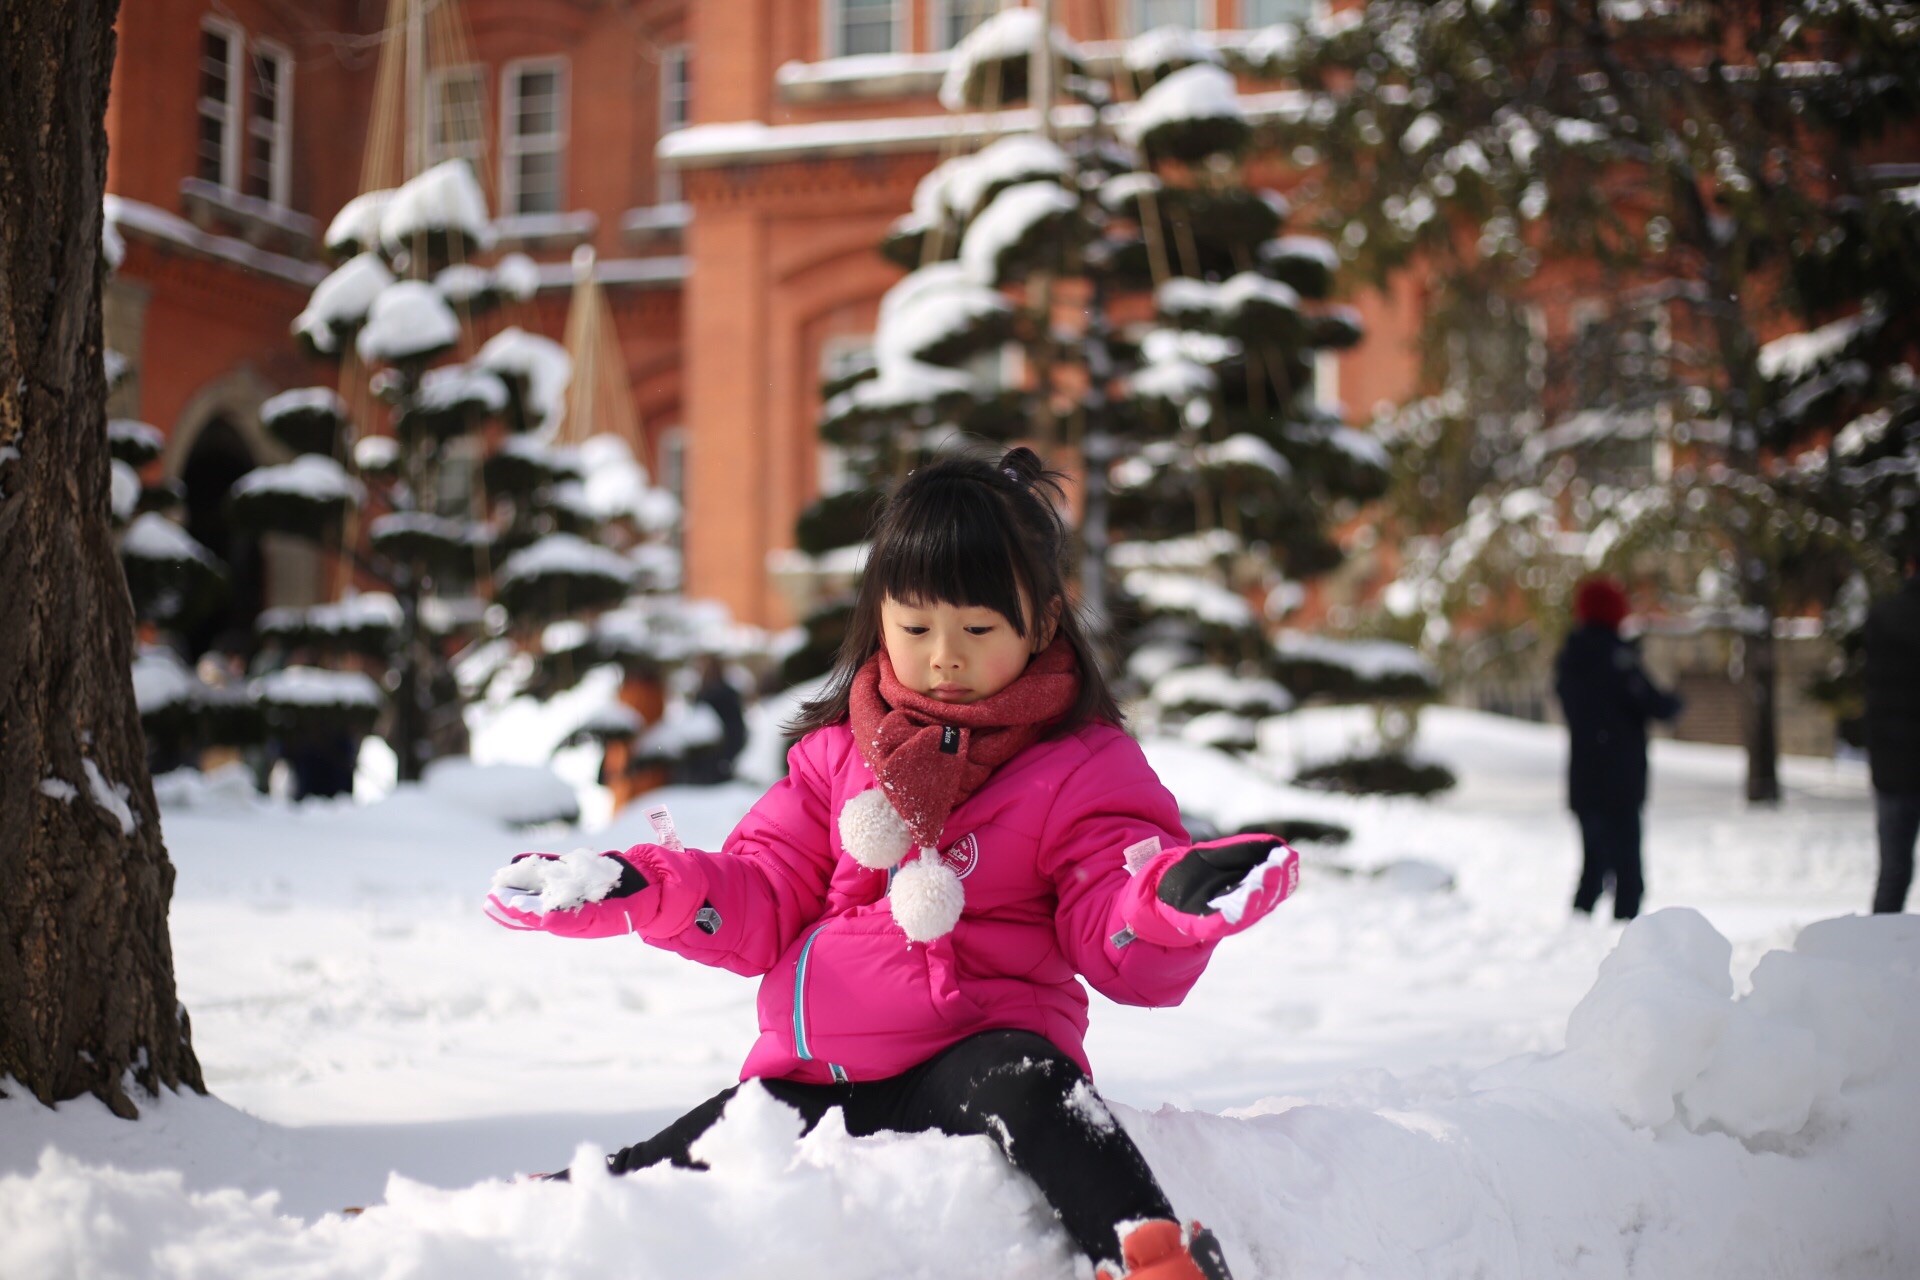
[[239, 128]]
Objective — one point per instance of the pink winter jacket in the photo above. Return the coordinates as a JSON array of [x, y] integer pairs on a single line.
[[1042, 849]]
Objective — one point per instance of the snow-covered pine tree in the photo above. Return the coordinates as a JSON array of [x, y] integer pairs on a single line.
[[1232, 473], [1701, 178], [1166, 333], [459, 502], [174, 582], [493, 532]]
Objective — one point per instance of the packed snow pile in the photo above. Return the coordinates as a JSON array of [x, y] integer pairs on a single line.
[[1663, 1040], [1526, 1169], [1380, 1081], [520, 795]]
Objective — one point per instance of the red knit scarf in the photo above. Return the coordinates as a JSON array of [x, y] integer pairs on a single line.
[[930, 755]]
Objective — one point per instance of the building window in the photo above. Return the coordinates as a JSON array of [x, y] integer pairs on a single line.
[[953, 19], [862, 26], [676, 112], [1265, 13], [842, 355], [1148, 14], [218, 156], [269, 123], [456, 115], [671, 451], [534, 136], [1326, 380]]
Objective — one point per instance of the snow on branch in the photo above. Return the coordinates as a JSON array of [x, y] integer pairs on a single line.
[[409, 320], [540, 368], [1007, 36], [154, 537], [341, 301], [356, 228], [445, 199], [1798, 354], [318, 687], [1014, 218]]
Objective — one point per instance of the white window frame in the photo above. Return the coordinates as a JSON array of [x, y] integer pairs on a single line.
[[676, 70], [938, 11], [832, 474], [832, 27], [437, 80], [513, 145], [1318, 10], [1326, 379], [279, 130], [1205, 13], [231, 112], [671, 451]]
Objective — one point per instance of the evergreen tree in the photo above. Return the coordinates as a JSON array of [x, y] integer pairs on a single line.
[[464, 499], [1167, 331], [1708, 171]]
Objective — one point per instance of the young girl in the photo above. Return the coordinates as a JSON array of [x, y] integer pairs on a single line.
[[963, 828]]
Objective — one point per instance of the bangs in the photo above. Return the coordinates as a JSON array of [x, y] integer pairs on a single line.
[[952, 550]]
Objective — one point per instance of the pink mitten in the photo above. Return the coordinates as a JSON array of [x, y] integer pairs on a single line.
[[1212, 890], [575, 895]]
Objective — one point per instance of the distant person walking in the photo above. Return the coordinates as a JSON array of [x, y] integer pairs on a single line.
[[1607, 699], [714, 762], [1893, 734]]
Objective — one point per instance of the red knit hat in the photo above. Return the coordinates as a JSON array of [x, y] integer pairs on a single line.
[[1602, 602]]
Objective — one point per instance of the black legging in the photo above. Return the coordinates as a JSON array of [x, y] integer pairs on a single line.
[[1610, 844], [1013, 1086]]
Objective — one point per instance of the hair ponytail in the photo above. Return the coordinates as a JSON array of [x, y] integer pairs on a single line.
[[1023, 466]]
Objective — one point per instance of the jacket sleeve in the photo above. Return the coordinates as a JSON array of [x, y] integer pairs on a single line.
[[741, 907], [1653, 702], [1111, 804]]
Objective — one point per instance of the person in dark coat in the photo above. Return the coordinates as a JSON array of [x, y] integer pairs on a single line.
[[1893, 734], [1607, 699], [712, 764]]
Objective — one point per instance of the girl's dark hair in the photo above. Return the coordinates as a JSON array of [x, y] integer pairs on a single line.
[[969, 532]]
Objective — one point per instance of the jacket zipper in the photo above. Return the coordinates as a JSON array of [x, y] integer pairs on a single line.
[[800, 1009]]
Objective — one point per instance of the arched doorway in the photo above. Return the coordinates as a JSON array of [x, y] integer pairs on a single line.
[[219, 456]]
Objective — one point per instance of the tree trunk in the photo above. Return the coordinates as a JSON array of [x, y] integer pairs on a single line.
[[1763, 746], [1739, 355], [87, 997]]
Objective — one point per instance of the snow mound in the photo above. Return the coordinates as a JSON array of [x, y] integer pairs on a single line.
[[773, 1203], [520, 795], [1664, 1039]]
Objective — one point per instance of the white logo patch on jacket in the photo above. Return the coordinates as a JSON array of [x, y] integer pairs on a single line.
[[963, 855]]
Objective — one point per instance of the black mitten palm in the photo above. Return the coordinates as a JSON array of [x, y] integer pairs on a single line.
[[1209, 870]]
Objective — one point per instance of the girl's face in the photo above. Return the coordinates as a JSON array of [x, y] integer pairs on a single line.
[[959, 653]]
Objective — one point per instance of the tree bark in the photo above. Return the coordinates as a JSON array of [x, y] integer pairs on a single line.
[[87, 1002]]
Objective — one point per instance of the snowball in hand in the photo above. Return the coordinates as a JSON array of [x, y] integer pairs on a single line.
[[541, 884]]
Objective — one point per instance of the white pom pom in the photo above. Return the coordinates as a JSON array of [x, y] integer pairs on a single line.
[[926, 897], [872, 832]]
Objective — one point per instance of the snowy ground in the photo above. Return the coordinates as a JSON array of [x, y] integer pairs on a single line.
[[1384, 1080]]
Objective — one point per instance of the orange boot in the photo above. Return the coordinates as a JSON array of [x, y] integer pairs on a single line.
[[1154, 1250]]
